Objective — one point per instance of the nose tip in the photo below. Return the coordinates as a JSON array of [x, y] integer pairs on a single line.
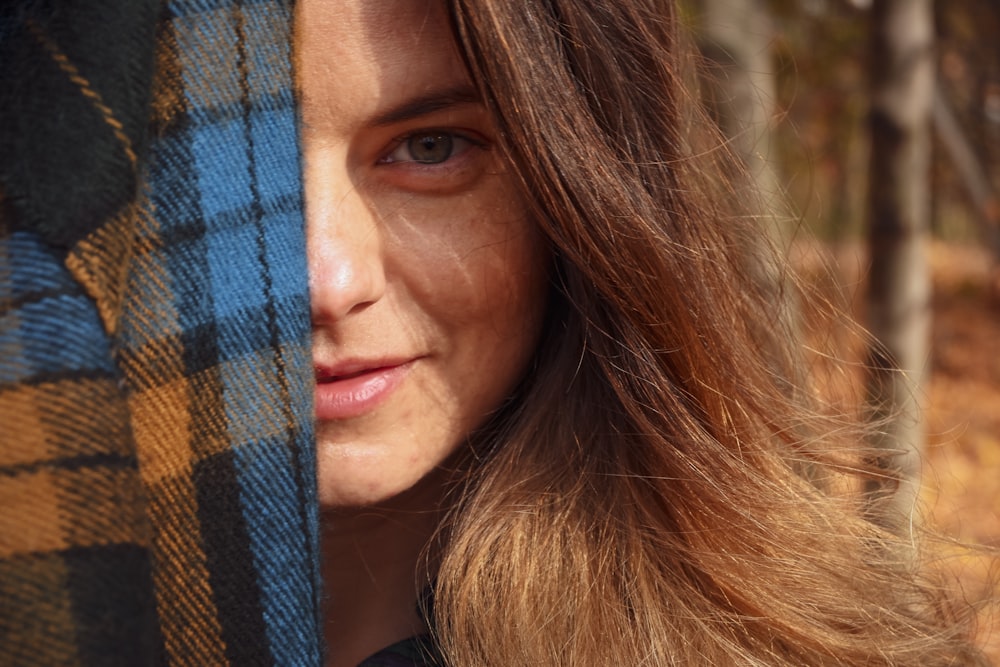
[[342, 282], [346, 271]]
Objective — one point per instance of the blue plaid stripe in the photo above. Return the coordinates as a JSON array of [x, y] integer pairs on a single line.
[[51, 327], [226, 190]]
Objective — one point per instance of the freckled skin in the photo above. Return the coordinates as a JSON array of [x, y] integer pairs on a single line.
[[436, 262]]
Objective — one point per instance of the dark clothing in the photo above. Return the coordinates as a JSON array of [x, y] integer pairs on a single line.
[[417, 651]]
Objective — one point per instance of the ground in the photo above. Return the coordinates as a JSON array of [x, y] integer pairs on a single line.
[[962, 470]]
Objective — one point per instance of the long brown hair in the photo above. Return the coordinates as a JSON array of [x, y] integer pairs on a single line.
[[643, 505]]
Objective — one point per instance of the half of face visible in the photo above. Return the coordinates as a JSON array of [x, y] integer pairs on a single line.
[[427, 278]]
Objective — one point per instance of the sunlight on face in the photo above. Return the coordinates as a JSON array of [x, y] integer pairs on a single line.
[[427, 278]]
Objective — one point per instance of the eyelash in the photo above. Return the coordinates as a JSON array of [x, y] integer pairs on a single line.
[[461, 143]]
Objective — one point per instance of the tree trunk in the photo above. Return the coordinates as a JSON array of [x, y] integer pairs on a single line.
[[736, 37], [902, 77]]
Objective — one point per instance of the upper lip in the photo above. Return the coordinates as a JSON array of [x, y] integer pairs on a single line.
[[351, 368]]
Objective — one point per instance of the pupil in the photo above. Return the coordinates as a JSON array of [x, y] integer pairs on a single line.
[[431, 148]]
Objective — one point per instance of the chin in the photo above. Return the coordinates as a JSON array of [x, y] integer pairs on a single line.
[[411, 488], [334, 494]]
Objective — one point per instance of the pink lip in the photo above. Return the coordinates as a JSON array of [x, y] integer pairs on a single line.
[[353, 389]]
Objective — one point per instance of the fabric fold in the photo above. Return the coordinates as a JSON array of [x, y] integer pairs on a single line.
[[155, 335]]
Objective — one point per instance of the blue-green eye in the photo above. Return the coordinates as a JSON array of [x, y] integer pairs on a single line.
[[434, 147], [430, 148]]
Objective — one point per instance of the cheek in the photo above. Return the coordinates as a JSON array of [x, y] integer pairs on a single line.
[[499, 287], [476, 266], [507, 267]]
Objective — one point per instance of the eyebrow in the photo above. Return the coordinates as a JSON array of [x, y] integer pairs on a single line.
[[429, 102]]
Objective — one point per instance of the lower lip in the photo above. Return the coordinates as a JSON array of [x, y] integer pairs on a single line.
[[357, 395]]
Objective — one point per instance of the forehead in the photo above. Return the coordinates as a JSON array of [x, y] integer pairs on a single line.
[[358, 57]]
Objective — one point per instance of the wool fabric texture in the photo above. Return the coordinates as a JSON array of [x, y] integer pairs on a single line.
[[157, 463]]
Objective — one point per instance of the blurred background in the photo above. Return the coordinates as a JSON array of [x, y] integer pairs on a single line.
[[873, 128]]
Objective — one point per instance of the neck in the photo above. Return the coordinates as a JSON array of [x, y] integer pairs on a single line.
[[375, 567]]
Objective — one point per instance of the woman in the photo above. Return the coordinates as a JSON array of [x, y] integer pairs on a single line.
[[548, 397]]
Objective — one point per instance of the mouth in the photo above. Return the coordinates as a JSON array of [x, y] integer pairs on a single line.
[[355, 389], [326, 375], [323, 376]]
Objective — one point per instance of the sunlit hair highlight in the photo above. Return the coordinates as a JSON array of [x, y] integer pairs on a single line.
[[641, 502]]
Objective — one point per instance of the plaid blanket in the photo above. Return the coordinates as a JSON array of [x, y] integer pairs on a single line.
[[157, 482]]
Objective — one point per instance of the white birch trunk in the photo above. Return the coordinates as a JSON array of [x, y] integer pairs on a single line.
[[902, 77]]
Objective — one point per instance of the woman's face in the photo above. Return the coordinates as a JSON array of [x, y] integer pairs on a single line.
[[427, 278]]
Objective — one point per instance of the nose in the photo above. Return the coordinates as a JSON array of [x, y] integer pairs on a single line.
[[344, 247]]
